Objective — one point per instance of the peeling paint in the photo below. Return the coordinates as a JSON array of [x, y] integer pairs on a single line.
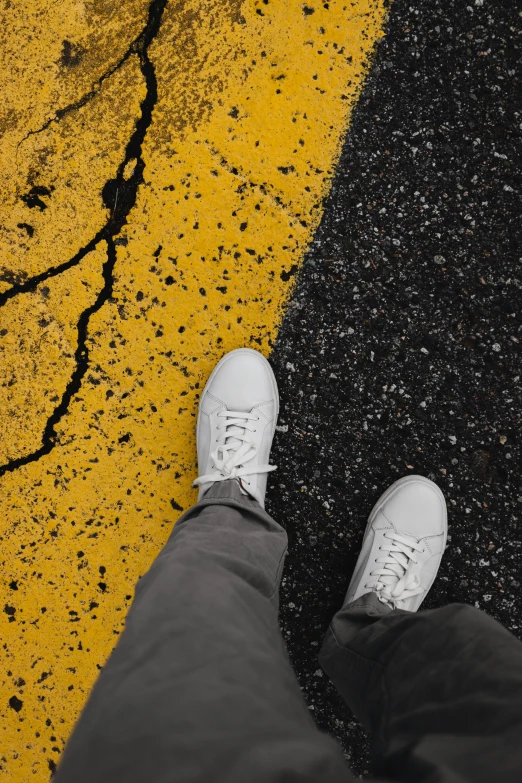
[[164, 172]]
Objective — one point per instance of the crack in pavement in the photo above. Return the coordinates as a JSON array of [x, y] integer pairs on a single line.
[[84, 100], [119, 196], [32, 283]]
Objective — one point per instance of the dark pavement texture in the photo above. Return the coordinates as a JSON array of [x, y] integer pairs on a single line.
[[400, 351]]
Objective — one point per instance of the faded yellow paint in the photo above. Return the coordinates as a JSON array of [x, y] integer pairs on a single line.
[[78, 153], [253, 101], [37, 352]]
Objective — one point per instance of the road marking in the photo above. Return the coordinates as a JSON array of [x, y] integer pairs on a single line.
[[252, 103]]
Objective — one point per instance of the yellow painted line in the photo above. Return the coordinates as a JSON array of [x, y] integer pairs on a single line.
[[253, 101]]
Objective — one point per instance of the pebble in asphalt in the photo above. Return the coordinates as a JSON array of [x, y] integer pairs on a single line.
[[400, 352]]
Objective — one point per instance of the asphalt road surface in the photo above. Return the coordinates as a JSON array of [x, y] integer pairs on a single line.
[[400, 350]]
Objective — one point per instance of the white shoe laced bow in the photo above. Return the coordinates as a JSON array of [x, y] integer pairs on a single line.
[[396, 582], [234, 449]]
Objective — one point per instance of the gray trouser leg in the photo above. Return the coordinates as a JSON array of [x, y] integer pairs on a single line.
[[440, 691], [199, 687]]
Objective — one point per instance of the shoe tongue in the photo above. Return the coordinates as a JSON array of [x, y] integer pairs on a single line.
[[391, 581], [230, 440]]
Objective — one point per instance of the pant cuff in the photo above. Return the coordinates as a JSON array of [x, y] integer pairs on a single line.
[[228, 490]]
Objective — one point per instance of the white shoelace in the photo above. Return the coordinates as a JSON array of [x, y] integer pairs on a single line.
[[396, 582], [234, 449]]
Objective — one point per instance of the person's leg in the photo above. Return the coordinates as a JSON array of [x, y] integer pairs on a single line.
[[199, 687], [440, 691]]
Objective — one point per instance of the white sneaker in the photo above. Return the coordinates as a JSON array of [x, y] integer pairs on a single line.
[[403, 544], [236, 423]]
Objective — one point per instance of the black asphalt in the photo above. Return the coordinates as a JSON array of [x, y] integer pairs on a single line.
[[400, 352]]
